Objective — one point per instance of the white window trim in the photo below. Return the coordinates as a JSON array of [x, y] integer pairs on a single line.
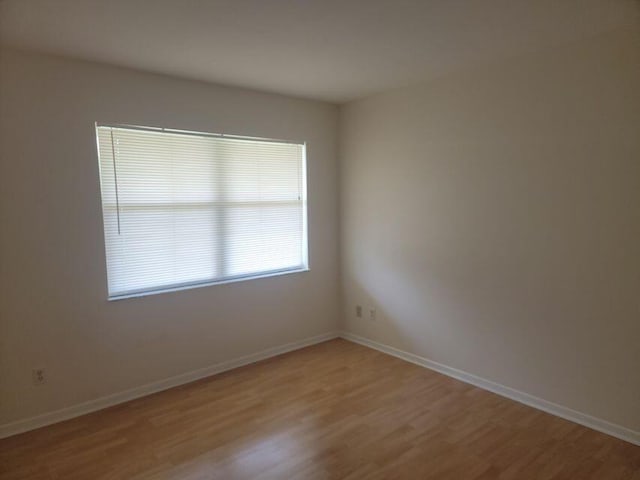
[[240, 278]]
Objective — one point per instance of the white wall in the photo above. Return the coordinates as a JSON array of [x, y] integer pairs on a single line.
[[53, 307], [493, 219]]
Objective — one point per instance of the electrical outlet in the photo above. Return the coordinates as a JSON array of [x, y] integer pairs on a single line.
[[372, 314], [38, 376], [359, 311]]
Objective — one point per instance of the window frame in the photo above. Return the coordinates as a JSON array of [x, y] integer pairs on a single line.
[[305, 266]]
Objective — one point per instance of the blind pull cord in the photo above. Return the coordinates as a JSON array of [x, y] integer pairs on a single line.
[[115, 177]]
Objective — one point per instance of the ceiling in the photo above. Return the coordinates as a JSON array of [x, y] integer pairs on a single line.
[[334, 50]]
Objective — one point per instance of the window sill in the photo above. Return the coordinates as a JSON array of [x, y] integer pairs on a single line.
[[190, 286]]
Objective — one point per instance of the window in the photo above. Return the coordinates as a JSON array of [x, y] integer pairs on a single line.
[[182, 208]]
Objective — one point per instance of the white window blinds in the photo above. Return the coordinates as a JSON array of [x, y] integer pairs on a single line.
[[182, 209]]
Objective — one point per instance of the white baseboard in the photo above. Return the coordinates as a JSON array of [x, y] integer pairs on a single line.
[[600, 425], [67, 413], [594, 423]]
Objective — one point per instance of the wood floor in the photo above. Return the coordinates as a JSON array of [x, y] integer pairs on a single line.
[[334, 410]]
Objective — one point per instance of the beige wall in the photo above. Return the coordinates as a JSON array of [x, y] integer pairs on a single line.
[[493, 219], [53, 308]]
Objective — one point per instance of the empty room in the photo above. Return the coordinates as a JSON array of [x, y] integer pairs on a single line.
[[320, 239]]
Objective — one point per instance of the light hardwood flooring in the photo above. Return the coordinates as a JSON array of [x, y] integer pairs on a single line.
[[336, 410]]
